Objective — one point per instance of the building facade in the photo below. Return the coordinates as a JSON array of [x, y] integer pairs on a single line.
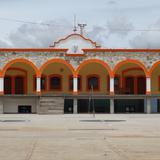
[[76, 75]]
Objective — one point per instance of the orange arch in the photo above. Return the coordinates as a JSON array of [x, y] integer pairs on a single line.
[[133, 61], [153, 67], [21, 60], [57, 60], [105, 65]]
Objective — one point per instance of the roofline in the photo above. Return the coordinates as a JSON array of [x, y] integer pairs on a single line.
[[85, 50], [119, 50], [33, 49], [75, 34]]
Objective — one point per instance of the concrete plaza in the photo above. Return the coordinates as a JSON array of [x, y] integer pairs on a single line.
[[80, 137]]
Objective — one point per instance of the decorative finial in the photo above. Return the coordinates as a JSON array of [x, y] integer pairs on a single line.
[[82, 26]]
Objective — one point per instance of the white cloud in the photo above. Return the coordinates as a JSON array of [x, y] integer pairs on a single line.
[[4, 44], [97, 33], [38, 36], [28, 35], [119, 25], [116, 34], [148, 39]]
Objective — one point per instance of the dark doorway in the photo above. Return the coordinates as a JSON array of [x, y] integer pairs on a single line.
[[141, 85], [19, 85], [129, 106], [129, 85], [100, 106], [158, 105], [24, 109], [7, 85], [68, 106]]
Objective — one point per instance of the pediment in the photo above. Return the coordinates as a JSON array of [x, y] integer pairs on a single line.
[[75, 43]]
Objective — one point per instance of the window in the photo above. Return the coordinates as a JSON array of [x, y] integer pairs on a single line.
[[93, 81], [55, 82], [71, 83]]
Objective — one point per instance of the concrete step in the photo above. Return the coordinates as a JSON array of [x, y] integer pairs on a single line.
[[55, 111], [51, 105]]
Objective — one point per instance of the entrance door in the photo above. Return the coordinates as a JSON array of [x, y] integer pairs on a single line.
[[129, 85], [141, 84], [7, 85], [19, 85]]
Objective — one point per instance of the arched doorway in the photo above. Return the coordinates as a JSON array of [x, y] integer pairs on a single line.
[[95, 75]]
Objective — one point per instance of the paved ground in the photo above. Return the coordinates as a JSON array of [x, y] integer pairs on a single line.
[[80, 137]]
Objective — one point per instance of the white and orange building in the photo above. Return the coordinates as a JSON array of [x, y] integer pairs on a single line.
[[74, 74]]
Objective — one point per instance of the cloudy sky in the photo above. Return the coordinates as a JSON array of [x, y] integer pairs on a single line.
[[113, 23]]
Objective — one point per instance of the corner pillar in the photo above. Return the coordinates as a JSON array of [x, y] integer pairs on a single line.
[[75, 106], [75, 85], [111, 85], [112, 105], [38, 85], [148, 85], [148, 100], [1, 85]]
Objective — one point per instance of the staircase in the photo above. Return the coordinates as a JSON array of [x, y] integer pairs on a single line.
[[51, 105]]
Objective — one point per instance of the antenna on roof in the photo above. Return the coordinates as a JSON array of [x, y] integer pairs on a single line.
[[75, 25], [82, 26]]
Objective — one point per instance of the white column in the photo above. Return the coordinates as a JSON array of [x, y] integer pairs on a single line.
[[75, 84], [111, 105], [1, 85], [148, 105], [75, 106], [38, 87], [148, 85], [111, 85]]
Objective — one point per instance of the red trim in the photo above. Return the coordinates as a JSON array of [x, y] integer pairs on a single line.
[[90, 76], [74, 55], [55, 75], [148, 93], [25, 77], [13, 83], [131, 61], [65, 50], [1, 93], [135, 79], [19, 60], [57, 60], [75, 34], [97, 61], [33, 50], [119, 50], [19, 69], [132, 69]]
